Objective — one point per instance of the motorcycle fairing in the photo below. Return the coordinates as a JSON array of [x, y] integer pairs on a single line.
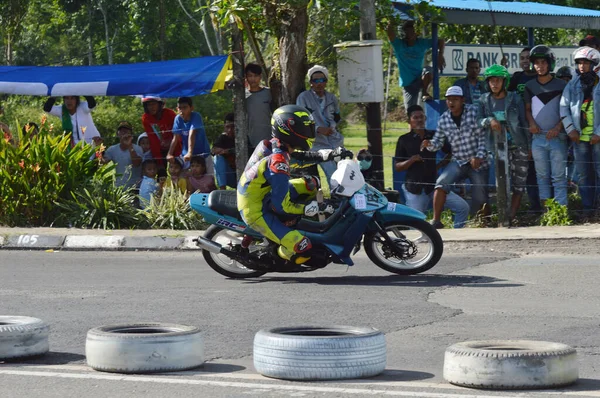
[[397, 212], [368, 199], [199, 203]]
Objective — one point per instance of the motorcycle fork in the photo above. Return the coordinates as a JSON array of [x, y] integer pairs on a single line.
[[389, 240]]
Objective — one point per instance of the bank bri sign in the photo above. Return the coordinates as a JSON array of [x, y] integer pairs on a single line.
[[457, 55]]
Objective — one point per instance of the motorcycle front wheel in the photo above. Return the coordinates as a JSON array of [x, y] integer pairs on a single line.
[[422, 243], [220, 262]]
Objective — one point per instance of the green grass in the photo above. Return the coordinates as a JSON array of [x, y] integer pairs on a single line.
[[355, 138]]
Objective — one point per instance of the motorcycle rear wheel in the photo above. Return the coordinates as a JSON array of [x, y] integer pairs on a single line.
[[220, 262], [425, 237]]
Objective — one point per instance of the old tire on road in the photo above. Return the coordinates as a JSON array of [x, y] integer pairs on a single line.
[[144, 348], [319, 353], [22, 336], [510, 364]]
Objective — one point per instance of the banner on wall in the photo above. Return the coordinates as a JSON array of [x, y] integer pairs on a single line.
[[457, 55]]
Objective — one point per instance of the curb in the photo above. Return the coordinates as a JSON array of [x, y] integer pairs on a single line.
[[169, 240], [96, 242]]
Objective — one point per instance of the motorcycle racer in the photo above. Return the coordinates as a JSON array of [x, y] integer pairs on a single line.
[[265, 191]]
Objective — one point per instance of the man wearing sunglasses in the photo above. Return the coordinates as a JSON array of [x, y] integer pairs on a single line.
[[325, 109]]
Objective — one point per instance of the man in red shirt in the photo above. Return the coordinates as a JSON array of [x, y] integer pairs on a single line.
[[158, 124]]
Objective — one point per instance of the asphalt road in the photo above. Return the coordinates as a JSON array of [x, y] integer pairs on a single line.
[[475, 292]]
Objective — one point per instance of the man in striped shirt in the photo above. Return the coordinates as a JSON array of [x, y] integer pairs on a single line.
[[458, 125]]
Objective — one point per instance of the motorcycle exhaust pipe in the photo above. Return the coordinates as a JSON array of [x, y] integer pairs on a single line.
[[209, 245]]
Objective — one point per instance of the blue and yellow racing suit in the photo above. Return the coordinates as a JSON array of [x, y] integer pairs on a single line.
[[265, 192]]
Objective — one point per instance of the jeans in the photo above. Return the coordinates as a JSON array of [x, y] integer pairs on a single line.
[[587, 164], [533, 191], [225, 174], [550, 157], [454, 203], [479, 178], [412, 93]]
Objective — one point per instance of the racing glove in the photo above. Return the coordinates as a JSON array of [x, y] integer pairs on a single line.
[[313, 208], [336, 154]]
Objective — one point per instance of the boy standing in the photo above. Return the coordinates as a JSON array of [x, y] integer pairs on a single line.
[[502, 111], [542, 109], [410, 53], [188, 129], [224, 152], [158, 123], [471, 86], [259, 106], [148, 186]]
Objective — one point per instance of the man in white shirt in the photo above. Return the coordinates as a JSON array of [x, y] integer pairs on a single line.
[[76, 117]]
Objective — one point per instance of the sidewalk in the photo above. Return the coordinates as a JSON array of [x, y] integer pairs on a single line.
[[155, 239]]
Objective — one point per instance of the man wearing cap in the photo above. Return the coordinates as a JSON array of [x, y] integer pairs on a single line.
[[410, 53], [126, 155], [325, 109], [421, 168], [458, 126]]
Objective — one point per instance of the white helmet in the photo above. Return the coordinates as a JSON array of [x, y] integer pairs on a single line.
[[151, 98], [587, 53]]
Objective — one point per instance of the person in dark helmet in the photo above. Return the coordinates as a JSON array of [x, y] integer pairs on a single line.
[[549, 142], [565, 73], [265, 190]]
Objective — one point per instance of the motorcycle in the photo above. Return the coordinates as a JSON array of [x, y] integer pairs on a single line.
[[395, 237]]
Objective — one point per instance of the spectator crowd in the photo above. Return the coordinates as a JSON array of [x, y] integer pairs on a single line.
[[540, 121], [174, 150]]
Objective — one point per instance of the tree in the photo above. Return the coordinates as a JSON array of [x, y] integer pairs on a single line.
[[12, 13]]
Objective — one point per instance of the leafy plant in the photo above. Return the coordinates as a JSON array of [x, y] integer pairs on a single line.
[[39, 170], [100, 204], [556, 214], [171, 210]]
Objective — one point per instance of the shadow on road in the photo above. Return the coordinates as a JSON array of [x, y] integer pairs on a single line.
[[50, 358], [583, 385], [210, 368], [424, 280], [395, 375]]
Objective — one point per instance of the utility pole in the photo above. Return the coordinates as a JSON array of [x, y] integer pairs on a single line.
[[368, 31], [239, 99]]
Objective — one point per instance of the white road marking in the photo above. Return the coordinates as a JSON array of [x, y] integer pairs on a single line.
[[92, 375], [265, 387]]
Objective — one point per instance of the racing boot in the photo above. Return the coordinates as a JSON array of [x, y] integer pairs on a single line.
[[300, 253], [246, 241]]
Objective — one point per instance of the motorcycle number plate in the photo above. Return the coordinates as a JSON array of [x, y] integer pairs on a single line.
[[360, 202]]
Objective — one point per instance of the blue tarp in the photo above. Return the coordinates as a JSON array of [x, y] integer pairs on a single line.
[[178, 78]]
